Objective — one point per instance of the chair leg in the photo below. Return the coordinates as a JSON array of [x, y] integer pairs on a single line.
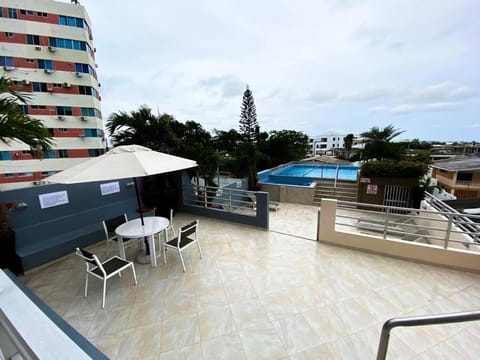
[[164, 249], [104, 291], [199, 249], [86, 284], [134, 275], [181, 258]]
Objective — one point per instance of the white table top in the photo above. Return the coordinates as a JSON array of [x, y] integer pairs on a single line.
[[133, 228]]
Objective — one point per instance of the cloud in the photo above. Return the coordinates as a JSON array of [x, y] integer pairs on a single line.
[[404, 109], [227, 85]]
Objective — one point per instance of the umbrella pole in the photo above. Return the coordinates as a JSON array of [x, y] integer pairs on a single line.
[[141, 215]]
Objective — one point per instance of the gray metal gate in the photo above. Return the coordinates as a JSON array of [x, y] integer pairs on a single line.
[[396, 196]]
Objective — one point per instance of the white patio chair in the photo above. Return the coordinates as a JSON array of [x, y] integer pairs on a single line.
[[183, 241], [104, 270], [109, 227]]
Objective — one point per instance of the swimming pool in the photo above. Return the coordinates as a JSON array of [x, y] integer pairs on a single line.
[[306, 174]]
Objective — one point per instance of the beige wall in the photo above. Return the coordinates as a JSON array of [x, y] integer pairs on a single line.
[[288, 193], [454, 258]]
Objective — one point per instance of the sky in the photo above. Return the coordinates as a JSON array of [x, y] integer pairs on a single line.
[[315, 66]]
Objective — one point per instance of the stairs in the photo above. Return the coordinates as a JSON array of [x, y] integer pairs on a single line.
[[345, 190]]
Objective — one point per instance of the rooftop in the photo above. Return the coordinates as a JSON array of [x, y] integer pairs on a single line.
[[264, 295], [471, 162]]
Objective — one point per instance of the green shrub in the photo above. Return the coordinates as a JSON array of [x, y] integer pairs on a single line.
[[390, 168]]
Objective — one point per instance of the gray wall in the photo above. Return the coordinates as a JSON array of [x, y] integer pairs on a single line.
[[46, 234]]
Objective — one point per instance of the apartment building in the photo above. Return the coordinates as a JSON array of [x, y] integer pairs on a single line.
[[331, 143], [459, 176], [47, 48]]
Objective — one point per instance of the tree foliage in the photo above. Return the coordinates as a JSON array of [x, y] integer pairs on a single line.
[[248, 117], [14, 124], [285, 146], [392, 168], [379, 145]]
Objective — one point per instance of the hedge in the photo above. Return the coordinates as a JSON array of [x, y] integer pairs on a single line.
[[390, 168]]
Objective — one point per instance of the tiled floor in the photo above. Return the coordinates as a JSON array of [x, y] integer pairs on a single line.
[[265, 295]]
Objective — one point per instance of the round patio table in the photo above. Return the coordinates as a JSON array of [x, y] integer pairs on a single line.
[[134, 229]]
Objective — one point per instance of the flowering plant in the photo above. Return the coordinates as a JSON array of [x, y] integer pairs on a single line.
[[5, 224]]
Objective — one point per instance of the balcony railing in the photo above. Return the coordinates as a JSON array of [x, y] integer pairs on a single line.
[[224, 199], [442, 227]]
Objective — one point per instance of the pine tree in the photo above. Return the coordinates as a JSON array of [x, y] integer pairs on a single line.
[[248, 117]]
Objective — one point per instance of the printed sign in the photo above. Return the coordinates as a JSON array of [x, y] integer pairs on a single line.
[[365, 180], [372, 189], [109, 188], [53, 199]]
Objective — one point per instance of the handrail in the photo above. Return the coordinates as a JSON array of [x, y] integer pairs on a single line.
[[418, 321]]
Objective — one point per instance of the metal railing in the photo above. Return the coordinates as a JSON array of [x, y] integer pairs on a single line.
[[438, 228], [223, 199], [420, 321]]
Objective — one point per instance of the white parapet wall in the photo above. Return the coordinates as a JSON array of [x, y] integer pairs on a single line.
[[419, 252]]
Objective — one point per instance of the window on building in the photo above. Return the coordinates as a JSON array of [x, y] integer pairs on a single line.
[[9, 175], [6, 61], [33, 39], [64, 110], [464, 176], [40, 87], [63, 130], [49, 154], [12, 13], [40, 13], [25, 109], [45, 64], [9, 34], [57, 85], [83, 68], [51, 131], [63, 153], [323, 139], [5, 155], [29, 60], [25, 174], [38, 107], [86, 90], [95, 152], [70, 21], [93, 133], [90, 112]]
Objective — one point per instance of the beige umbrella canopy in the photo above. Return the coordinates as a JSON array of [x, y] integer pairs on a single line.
[[129, 161]]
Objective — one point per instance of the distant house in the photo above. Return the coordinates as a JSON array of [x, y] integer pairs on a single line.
[[459, 176]]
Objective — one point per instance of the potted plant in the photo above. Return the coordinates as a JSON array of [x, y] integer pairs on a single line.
[[8, 256]]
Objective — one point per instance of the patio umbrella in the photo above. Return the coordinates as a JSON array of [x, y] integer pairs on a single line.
[[128, 161]]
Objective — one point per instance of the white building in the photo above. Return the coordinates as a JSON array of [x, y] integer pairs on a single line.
[[46, 48], [328, 144]]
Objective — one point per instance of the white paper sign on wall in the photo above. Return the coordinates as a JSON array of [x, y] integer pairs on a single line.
[[53, 199]]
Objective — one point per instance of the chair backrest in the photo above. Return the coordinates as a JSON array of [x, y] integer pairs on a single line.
[[187, 230], [151, 212], [110, 225], [88, 256]]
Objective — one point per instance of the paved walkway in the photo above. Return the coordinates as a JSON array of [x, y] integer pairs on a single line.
[[265, 295]]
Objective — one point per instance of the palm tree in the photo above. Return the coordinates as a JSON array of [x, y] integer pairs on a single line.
[[141, 127], [379, 145], [14, 124]]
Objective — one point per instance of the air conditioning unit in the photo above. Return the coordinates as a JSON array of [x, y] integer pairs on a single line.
[[52, 48], [38, 48], [9, 68], [49, 71], [79, 74], [83, 118], [37, 183], [67, 85], [61, 117], [49, 89], [26, 82]]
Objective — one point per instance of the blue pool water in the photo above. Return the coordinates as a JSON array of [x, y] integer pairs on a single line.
[[305, 174]]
